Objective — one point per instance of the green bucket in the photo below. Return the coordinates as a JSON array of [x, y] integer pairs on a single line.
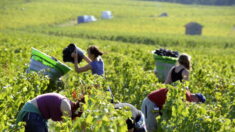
[[42, 62], [163, 66]]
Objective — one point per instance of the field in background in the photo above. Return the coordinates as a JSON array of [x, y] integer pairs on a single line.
[[127, 41], [134, 21]]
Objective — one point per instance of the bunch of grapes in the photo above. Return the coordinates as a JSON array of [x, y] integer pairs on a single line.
[[165, 52]]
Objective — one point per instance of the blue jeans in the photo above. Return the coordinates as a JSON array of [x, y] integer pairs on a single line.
[[35, 123]]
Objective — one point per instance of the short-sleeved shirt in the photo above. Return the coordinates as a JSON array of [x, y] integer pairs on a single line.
[[49, 105], [159, 97], [97, 67]]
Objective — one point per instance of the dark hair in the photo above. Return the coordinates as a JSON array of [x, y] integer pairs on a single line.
[[67, 53], [95, 51], [184, 60], [75, 106]]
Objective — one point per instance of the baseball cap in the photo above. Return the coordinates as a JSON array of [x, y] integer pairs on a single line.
[[201, 97]]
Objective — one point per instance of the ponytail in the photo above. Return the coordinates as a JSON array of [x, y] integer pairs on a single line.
[[94, 50]]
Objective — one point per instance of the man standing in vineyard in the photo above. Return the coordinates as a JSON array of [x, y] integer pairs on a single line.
[[53, 106], [155, 101]]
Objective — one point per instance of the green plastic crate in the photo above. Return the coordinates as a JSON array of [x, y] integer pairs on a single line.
[[42, 62], [163, 66]]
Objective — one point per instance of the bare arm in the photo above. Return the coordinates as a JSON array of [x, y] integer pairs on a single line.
[[185, 75], [80, 69], [65, 107], [87, 59], [168, 79]]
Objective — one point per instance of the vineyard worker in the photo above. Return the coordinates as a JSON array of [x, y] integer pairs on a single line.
[[137, 122], [94, 60], [155, 101], [53, 106], [179, 72], [95, 63]]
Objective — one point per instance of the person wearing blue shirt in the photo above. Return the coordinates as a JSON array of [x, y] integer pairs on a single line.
[[94, 60], [95, 63]]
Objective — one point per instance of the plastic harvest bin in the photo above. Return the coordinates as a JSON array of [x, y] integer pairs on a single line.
[[163, 66], [47, 65]]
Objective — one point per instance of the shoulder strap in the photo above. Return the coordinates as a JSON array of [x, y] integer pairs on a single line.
[[180, 72]]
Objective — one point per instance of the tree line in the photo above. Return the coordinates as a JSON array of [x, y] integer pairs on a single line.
[[203, 2]]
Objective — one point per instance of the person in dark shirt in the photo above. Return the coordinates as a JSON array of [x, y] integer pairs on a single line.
[[155, 101], [179, 72]]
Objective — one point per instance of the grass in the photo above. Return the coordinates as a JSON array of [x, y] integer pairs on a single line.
[[131, 17]]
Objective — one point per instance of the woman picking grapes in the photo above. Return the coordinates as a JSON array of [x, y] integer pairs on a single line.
[[179, 72], [94, 60]]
